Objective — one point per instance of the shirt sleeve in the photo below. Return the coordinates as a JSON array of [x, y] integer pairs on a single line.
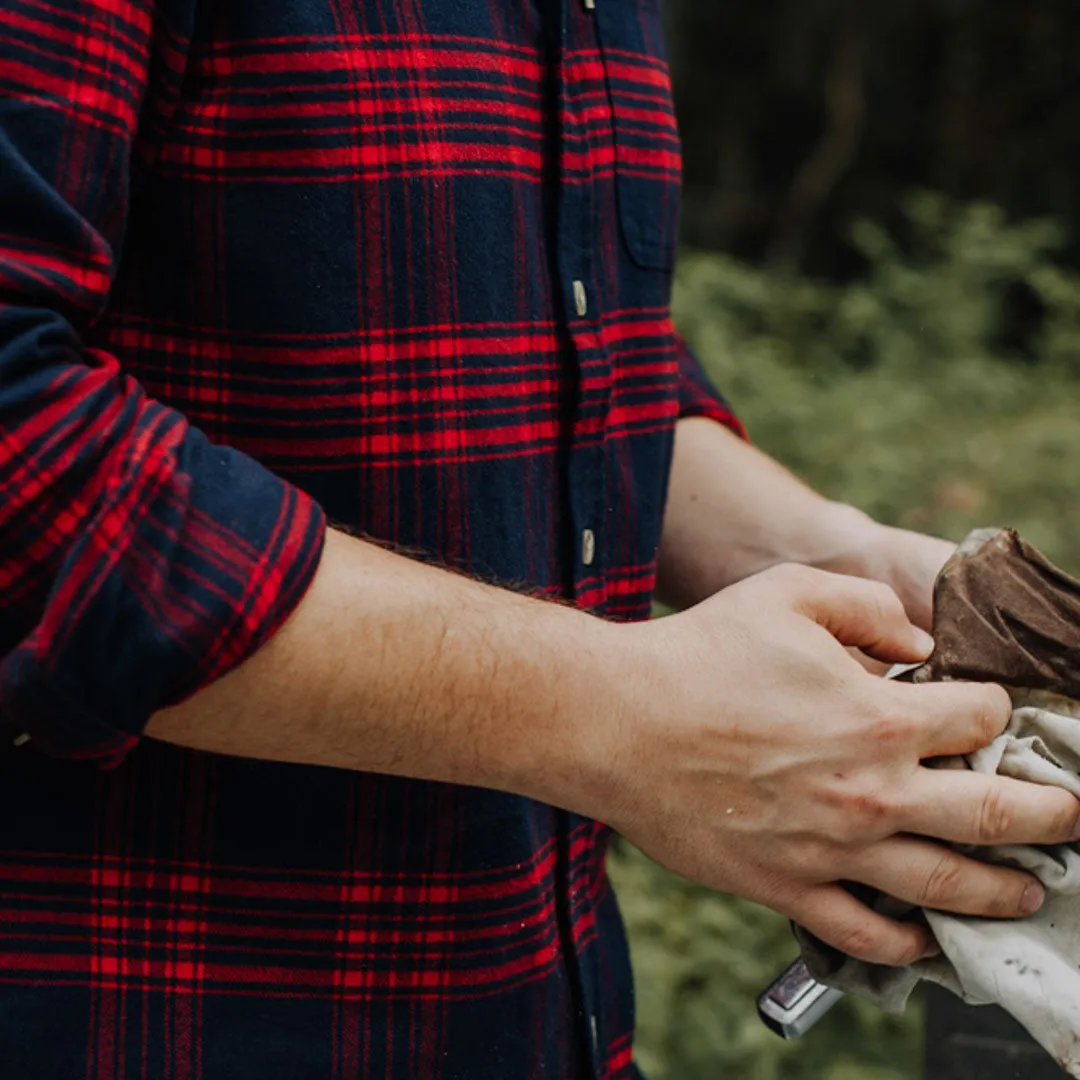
[[698, 396], [138, 561]]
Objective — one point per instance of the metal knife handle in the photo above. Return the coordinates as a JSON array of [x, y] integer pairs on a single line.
[[795, 1002]]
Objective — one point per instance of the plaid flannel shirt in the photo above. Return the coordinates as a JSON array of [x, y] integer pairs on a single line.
[[403, 265]]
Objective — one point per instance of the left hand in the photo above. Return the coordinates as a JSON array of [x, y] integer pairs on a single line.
[[732, 512], [908, 562]]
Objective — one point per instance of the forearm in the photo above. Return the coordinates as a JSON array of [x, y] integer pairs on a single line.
[[391, 666], [732, 511]]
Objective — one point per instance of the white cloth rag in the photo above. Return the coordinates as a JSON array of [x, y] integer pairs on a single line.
[[1030, 967]]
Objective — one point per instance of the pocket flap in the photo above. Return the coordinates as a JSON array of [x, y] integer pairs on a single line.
[[648, 158]]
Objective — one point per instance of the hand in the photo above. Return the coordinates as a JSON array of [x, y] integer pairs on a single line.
[[757, 757], [908, 562], [732, 512]]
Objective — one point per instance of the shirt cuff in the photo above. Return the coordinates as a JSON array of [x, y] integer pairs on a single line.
[[698, 396], [187, 586]]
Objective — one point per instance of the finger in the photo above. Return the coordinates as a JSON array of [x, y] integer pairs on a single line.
[[865, 614], [953, 717], [838, 919], [937, 877], [971, 808]]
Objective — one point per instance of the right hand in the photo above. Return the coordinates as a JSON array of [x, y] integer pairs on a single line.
[[755, 755]]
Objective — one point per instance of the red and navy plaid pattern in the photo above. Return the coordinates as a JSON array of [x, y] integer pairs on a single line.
[[402, 264]]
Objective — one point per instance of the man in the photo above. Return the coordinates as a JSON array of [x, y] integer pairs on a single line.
[[288, 802]]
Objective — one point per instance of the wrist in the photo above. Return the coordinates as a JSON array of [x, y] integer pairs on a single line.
[[843, 540], [732, 512], [574, 686]]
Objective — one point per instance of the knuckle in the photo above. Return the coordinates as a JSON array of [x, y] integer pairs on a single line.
[[995, 818], [944, 884], [902, 953], [887, 605], [849, 830], [789, 576], [814, 858], [859, 942], [874, 807], [1058, 817], [1066, 820], [863, 814], [876, 946], [994, 711], [888, 730]]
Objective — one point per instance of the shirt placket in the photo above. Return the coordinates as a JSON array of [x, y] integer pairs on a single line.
[[582, 302]]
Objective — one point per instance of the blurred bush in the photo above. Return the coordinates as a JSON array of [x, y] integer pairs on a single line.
[[907, 394]]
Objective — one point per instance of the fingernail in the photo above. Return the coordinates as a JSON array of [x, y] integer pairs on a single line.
[[1074, 836], [931, 950], [924, 642], [1032, 899]]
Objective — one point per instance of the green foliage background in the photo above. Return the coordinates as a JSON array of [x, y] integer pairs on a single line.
[[901, 394]]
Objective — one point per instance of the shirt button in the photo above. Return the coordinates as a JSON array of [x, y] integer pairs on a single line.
[[588, 547], [581, 299], [589, 4], [21, 740]]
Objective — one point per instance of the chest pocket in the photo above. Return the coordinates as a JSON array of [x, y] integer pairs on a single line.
[[648, 160]]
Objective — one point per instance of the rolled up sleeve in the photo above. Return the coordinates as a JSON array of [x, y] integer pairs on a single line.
[[138, 561], [698, 396]]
